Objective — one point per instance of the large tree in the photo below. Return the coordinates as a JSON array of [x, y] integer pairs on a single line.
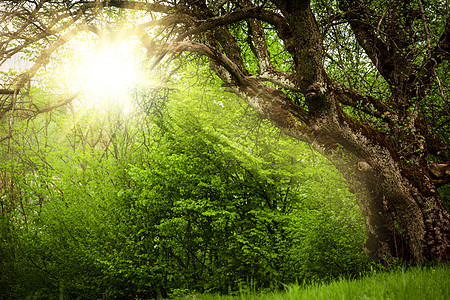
[[364, 82]]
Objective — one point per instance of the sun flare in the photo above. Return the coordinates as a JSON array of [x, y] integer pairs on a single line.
[[110, 73]]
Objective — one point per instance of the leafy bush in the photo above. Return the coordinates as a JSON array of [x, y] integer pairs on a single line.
[[212, 219]]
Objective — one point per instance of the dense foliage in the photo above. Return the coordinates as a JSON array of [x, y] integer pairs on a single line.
[[169, 204]]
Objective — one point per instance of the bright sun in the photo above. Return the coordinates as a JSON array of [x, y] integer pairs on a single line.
[[110, 73]]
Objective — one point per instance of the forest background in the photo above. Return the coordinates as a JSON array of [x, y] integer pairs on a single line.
[[196, 194]]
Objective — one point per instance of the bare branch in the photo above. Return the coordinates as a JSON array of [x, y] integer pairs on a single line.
[[233, 17], [134, 5], [63, 102]]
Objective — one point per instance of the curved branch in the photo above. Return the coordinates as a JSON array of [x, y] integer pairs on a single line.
[[6, 92], [215, 22], [441, 52], [237, 75], [134, 5], [269, 103], [258, 45], [258, 13], [438, 54]]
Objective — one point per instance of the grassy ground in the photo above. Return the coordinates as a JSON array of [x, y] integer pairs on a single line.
[[416, 283]]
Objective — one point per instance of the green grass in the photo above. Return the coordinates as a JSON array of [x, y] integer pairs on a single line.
[[415, 283]]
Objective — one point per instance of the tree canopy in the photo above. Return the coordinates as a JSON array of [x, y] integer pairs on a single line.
[[365, 83]]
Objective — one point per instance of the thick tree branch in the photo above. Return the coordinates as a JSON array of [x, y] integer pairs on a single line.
[[268, 102], [426, 74], [258, 45], [258, 13], [257, 42], [237, 75], [134, 5], [438, 54], [211, 23], [307, 42]]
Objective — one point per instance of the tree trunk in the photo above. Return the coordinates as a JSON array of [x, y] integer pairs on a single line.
[[403, 221], [404, 213]]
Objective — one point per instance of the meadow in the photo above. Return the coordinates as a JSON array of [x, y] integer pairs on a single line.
[[430, 283]]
